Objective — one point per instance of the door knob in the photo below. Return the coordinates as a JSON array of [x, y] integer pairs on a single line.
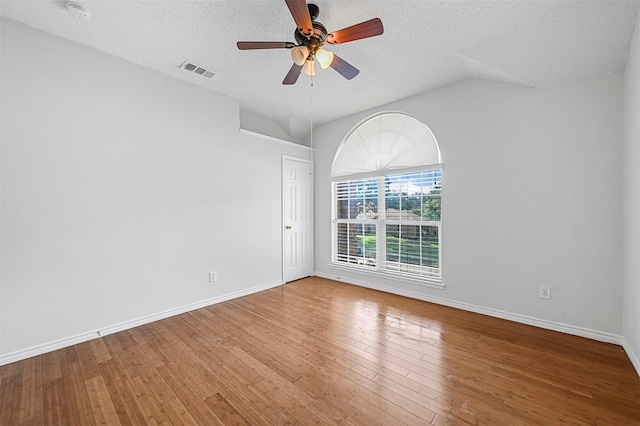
[[287, 227]]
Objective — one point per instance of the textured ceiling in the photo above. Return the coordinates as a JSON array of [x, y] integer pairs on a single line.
[[426, 44]]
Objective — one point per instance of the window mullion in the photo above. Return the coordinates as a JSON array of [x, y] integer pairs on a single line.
[[381, 229]]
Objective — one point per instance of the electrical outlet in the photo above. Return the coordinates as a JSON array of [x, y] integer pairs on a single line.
[[213, 276], [545, 292]]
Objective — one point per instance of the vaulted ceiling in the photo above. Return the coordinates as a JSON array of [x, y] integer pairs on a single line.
[[425, 45]]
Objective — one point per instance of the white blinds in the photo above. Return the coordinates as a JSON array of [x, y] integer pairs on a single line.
[[386, 142], [389, 224]]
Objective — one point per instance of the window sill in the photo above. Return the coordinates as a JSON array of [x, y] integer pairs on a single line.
[[424, 282]]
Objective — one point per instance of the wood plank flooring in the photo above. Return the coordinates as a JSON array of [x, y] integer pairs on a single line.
[[321, 352]]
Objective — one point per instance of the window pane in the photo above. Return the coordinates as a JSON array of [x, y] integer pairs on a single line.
[[356, 243], [372, 205], [410, 245], [342, 200], [413, 196], [430, 246], [411, 208], [368, 245], [392, 184], [392, 189], [370, 188], [343, 209], [342, 243], [393, 243], [413, 248], [357, 199], [431, 206], [431, 187], [403, 245]]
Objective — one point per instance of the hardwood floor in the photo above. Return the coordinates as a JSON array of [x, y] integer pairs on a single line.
[[320, 352]]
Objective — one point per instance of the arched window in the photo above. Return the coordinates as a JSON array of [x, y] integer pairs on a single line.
[[386, 186]]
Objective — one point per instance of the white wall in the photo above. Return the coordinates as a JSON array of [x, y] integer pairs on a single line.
[[631, 185], [121, 189], [531, 195]]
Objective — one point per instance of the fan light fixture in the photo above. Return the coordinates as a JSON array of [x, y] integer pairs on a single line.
[[324, 58], [308, 67], [299, 54]]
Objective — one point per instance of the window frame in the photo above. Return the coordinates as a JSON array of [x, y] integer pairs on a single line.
[[380, 266]]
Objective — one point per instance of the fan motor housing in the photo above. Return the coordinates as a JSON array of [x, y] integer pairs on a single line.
[[317, 36]]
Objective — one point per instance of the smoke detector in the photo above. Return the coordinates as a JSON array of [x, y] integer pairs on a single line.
[[78, 11]]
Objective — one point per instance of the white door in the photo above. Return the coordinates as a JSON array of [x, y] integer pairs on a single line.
[[297, 219]]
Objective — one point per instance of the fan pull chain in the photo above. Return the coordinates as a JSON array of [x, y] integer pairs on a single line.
[[311, 121]]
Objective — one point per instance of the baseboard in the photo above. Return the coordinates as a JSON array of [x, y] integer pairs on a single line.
[[523, 319], [84, 337], [633, 357], [46, 347]]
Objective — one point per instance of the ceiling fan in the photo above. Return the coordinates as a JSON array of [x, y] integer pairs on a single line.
[[310, 36]]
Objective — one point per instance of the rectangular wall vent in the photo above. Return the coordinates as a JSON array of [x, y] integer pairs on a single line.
[[197, 69]]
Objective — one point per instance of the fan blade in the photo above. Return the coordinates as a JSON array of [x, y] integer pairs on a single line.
[[293, 74], [251, 45], [347, 70], [370, 28], [300, 12]]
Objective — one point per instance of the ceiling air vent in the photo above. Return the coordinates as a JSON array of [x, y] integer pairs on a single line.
[[197, 69]]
